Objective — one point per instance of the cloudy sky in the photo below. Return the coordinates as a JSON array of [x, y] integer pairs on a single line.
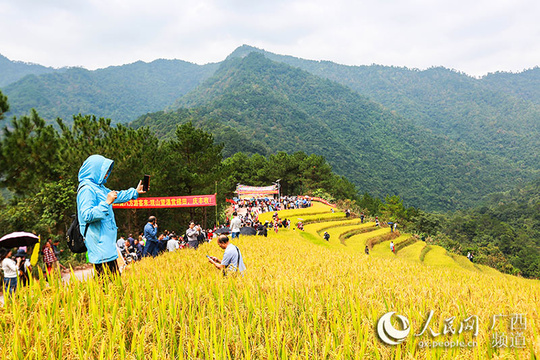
[[473, 36]]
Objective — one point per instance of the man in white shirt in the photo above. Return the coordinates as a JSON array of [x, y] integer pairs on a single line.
[[121, 243], [173, 243], [192, 234], [236, 224]]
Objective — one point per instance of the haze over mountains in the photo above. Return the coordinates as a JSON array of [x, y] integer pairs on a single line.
[[440, 139]]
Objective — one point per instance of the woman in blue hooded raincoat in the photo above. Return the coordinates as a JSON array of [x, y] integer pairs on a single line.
[[95, 211]]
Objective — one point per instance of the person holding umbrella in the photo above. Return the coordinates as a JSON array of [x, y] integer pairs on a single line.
[[10, 268], [17, 239]]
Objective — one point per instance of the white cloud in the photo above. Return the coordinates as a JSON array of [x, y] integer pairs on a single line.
[[471, 36]]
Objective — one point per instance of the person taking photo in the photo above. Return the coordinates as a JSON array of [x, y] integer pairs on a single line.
[[95, 211], [232, 258]]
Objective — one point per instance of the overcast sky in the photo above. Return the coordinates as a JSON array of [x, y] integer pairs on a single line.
[[473, 36]]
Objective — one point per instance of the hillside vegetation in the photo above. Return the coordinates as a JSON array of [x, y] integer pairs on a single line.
[[121, 93], [297, 299], [287, 109], [11, 71], [449, 137], [497, 114], [504, 230]]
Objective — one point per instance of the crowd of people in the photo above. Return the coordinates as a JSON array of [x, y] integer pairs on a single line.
[[262, 205], [151, 242]]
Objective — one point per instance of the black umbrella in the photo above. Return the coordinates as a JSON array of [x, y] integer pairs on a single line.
[[18, 239], [224, 230], [248, 230]]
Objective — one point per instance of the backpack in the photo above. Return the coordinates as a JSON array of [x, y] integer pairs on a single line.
[[75, 240]]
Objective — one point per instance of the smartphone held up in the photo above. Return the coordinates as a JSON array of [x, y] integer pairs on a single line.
[[146, 182]]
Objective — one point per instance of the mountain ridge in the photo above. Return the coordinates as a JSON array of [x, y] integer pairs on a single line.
[[355, 134]]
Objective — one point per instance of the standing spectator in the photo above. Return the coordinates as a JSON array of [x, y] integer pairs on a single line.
[[163, 241], [142, 239], [173, 243], [95, 211], [10, 268], [236, 223], [48, 257], [395, 226], [150, 233], [377, 221], [192, 233], [392, 248], [121, 243], [362, 218], [24, 267], [367, 250]]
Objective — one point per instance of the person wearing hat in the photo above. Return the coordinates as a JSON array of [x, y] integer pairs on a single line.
[[10, 268], [24, 267]]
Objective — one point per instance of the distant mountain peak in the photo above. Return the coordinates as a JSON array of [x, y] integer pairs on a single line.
[[244, 50]]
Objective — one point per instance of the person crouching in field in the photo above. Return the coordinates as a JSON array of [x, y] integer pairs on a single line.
[[95, 211], [232, 258]]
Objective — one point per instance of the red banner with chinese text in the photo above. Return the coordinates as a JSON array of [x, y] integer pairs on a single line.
[[168, 202]]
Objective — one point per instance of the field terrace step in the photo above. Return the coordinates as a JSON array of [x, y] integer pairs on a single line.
[[382, 249], [316, 228], [317, 218], [437, 256], [358, 242], [316, 208], [465, 263], [412, 252], [336, 232]]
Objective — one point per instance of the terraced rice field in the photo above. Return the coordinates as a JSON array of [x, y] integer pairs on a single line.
[[301, 297]]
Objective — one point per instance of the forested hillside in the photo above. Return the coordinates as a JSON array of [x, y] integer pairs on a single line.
[[11, 71], [121, 93], [525, 85], [497, 115], [441, 139], [505, 230], [288, 109]]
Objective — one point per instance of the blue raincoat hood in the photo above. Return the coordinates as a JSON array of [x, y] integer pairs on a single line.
[[95, 168]]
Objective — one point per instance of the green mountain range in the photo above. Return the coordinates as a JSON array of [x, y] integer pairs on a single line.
[[12, 71], [289, 109], [439, 138], [121, 93], [498, 114]]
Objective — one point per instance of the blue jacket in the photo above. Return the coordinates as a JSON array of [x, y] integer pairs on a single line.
[[94, 212], [150, 232]]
